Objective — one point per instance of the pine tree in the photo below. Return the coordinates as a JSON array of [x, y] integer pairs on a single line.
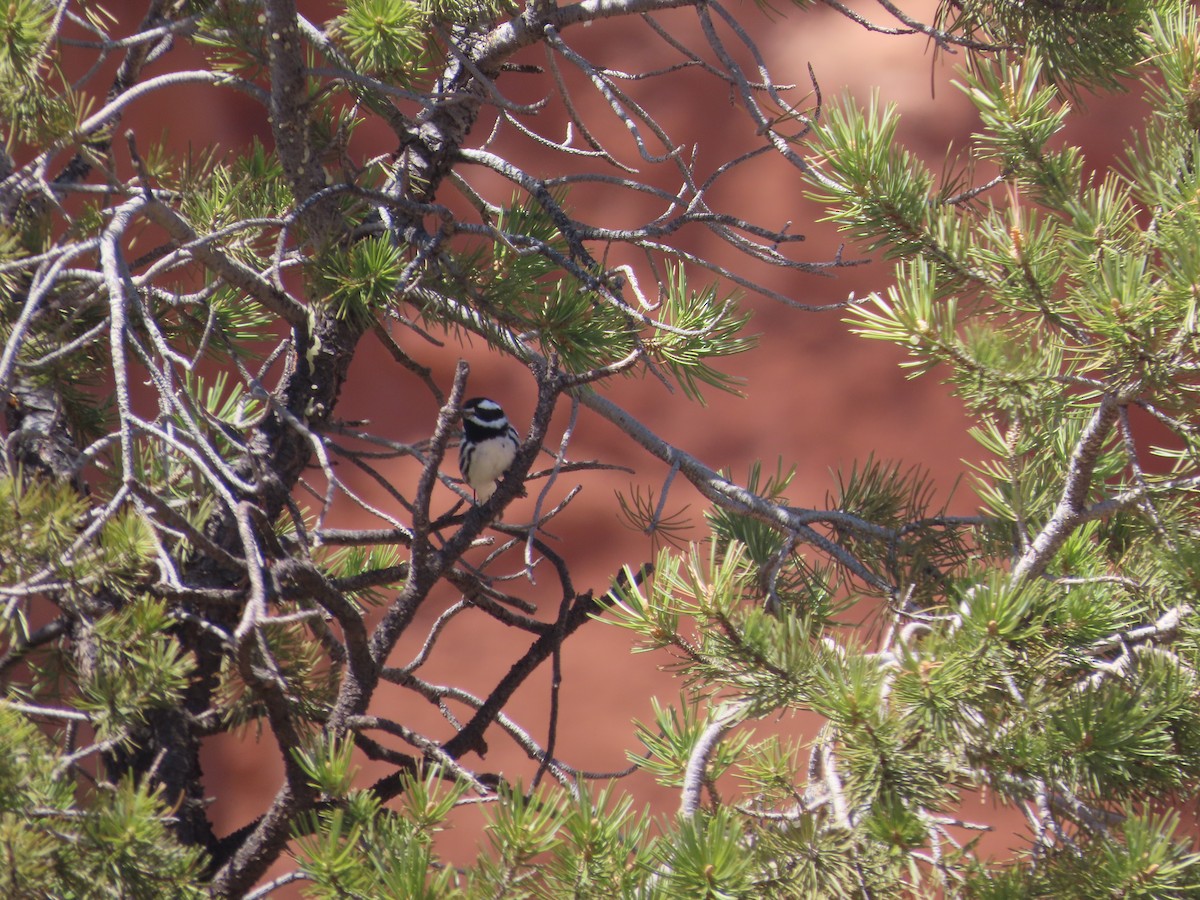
[[178, 330]]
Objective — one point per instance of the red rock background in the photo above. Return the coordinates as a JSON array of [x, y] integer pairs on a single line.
[[816, 396]]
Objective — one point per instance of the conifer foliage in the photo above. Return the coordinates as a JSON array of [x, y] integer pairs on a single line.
[[178, 326]]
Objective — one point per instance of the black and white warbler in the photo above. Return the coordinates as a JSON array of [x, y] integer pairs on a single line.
[[489, 445]]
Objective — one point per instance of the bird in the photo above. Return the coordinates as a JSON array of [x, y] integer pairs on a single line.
[[489, 446]]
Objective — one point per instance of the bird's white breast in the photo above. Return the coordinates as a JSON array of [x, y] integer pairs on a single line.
[[489, 459]]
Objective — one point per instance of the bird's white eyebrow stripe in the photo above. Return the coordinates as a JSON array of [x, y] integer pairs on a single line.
[[482, 413]]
